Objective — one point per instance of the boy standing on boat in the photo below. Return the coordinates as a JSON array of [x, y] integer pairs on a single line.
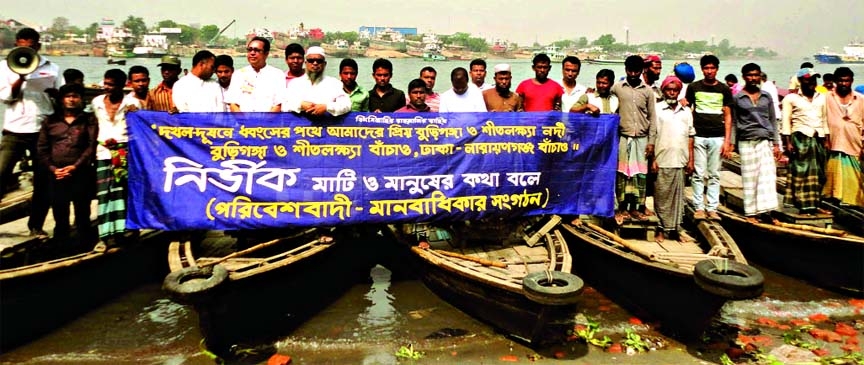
[[758, 143], [844, 110], [804, 129], [673, 151], [711, 101]]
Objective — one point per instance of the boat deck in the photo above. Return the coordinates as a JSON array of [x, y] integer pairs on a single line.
[[15, 235]]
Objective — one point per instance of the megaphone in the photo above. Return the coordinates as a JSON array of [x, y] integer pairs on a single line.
[[23, 60]]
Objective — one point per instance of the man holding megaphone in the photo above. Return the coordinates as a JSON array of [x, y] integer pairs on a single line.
[[26, 80]]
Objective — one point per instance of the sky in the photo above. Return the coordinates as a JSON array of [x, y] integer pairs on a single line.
[[793, 28]]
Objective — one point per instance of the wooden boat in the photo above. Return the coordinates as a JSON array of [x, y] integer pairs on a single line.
[[514, 275], [263, 291], [811, 247], [112, 61], [15, 204], [45, 283], [683, 285]]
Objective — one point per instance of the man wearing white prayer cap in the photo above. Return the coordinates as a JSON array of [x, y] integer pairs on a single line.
[[315, 94], [500, 98]]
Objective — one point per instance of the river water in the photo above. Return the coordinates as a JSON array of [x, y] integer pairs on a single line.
[[379, 314]]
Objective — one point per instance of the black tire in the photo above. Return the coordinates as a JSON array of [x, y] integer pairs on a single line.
[[564, 288], [731, 280], [183, 289]]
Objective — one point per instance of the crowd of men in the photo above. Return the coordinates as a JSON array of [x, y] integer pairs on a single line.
[[672, 127]]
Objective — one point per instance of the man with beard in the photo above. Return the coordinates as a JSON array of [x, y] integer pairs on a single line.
[[197, 92], [258, 87], [161, 98], [570, 67], [224, 69], [501, 99], [67, 145], [804, 129], [540, 94], [358, 95], [478, 74], [294, 54], [758, 144], [651, 74], [844, 110], [635, 147], [601, 101], [384, 98], [314, 94], [416, 98], [433, 99], [674, 157], [711, 101], [461, 97]]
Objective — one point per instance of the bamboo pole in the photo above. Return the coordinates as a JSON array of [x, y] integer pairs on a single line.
[[804, 227], [478, 260], [322, 239], [629, 245]]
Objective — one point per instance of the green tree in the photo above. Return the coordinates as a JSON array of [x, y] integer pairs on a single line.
[[59, 27], [189, 35], [209, 32], [604, 40], [167, 23], [582, 42], [135, 25], [331, 37], [564, 43], [474, 44], [91, 31]]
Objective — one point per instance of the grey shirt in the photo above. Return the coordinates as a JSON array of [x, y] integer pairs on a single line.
[[636, 107]]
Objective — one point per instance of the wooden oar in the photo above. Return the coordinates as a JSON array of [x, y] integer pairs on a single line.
[[804, 227], [629, 245], [478, 260], [322, 239]]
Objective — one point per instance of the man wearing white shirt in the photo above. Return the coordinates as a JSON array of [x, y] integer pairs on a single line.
[[478, 74], [258, 87], [197, 92], [313, 93], [570, 68], [27, 105], [461, 98]]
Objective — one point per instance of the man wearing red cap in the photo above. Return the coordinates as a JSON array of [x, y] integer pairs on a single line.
[[673, 157], [651, 74]]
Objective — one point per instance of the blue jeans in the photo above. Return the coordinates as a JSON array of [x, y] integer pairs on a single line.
[[706, 155]]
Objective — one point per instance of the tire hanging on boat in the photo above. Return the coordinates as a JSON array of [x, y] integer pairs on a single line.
[[193, 283], [729, 279], [552, 287]]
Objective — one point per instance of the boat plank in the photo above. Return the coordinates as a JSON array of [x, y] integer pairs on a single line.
[[16, 233]]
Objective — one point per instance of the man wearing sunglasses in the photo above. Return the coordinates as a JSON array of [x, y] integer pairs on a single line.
[[314, 94], [258, 87]]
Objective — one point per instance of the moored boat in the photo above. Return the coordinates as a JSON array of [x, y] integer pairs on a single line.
[[812, 247], [262, 291], [46, 283], [853, 54], [681, 284], [513, 275], [603, 61]]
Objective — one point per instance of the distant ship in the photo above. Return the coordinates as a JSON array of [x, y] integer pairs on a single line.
[[853, 53], [554, 52], [149, 52]]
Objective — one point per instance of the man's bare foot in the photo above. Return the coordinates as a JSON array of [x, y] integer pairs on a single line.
[[683, 237], [659, 237], [620, 216], [752, 220]]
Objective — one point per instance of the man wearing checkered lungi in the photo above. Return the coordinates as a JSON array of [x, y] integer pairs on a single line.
[[804, 129], [758, 144]]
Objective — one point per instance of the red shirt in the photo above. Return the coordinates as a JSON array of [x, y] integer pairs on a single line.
[[539, 98]]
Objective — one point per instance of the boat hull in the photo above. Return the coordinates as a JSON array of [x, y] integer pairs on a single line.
[[831, 262], [261, 307], [648, 290], [34, 301]]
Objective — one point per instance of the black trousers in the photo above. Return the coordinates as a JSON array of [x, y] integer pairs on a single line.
[[77, 190], [12, 149]]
